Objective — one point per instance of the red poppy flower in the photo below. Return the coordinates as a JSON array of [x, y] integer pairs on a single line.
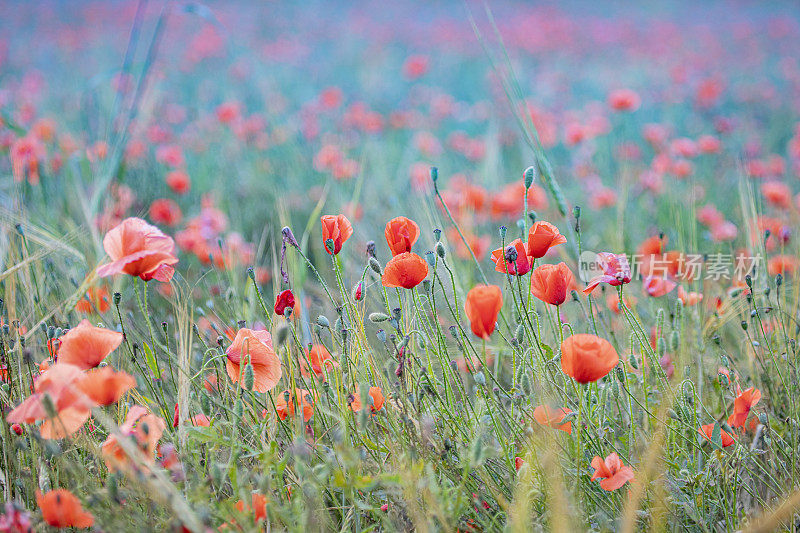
[[513, 259], [145, 428], [742, 406], [782, 264], [320, 359], [165, 211], [614, 269], [548, 416], [95, 298], [613, 472], [482, 307], [285, 299], [656, 286], [401, 234], [624, 100], [377, 400], [336, 228], [105, 386], [178, 181], [61, 509], [587, 358], [139, 249], [777, 193], [302, 400], [689, 298], [551, 283], [254, 346], [85, 345], [405, 270], [541, 237], [708, 431]]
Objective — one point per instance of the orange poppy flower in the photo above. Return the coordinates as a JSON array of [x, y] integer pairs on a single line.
[[336, 228], [613, 472], [104, 386], [782, 264], [302, 399], [258, 507], [541, 237], [657, 287], [513, 259], [482, 307], [61, 384], [320, 359], [61, 509], [405, 270], [548, 416], [708, 430], [587, 358], [145, 428], [742, 406], [138, 249], [689, 298], [85, 345], [551, 283], [377, 400], [95, 298], [255, 346], [777, 193], [401, 234]]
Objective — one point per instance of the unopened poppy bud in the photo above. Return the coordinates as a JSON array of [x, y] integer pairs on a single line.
[[281, 334], [749, 280], [440, 250], [480, 379], [576, 212], [723, 379], [434, 174], [249, 376], [744, 325], [251, 273], [397, 313], [358, 292], [763, 419], [530, 176], [678, 309], [378, 317], [51, 332], [220, 340], [49, 406], [117, 298], [634, 363], [660, 320], [519, 333], [661, 346], [779, 280], [503, 231], [404, 342], [375, 266], [674, 340], [323, 322], [330, 245], [16, 428]]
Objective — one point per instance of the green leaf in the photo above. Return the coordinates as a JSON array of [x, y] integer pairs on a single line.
[[150, 358]]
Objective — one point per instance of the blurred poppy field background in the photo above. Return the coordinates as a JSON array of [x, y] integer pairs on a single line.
[[367, 266]]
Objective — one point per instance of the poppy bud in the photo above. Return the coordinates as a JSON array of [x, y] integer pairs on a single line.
[[519, 334], [358, 293], [251, 273], [426, 286], [674, 340], [779, 280], [249, 376], [322, 321], [678, 309], [480, 379], [281, 334], [16, 428], [375, 266], [503, 231], [749, 280], [744, 325], [661, 346], [378, 317], [634, 363], [434, 175], [117, 298], [660, 321], [529, 175], [518, 462], [440, 250], [763, 419]]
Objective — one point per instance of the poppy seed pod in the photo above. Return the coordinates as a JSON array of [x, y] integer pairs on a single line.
[[378, 317], [440, 250]]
